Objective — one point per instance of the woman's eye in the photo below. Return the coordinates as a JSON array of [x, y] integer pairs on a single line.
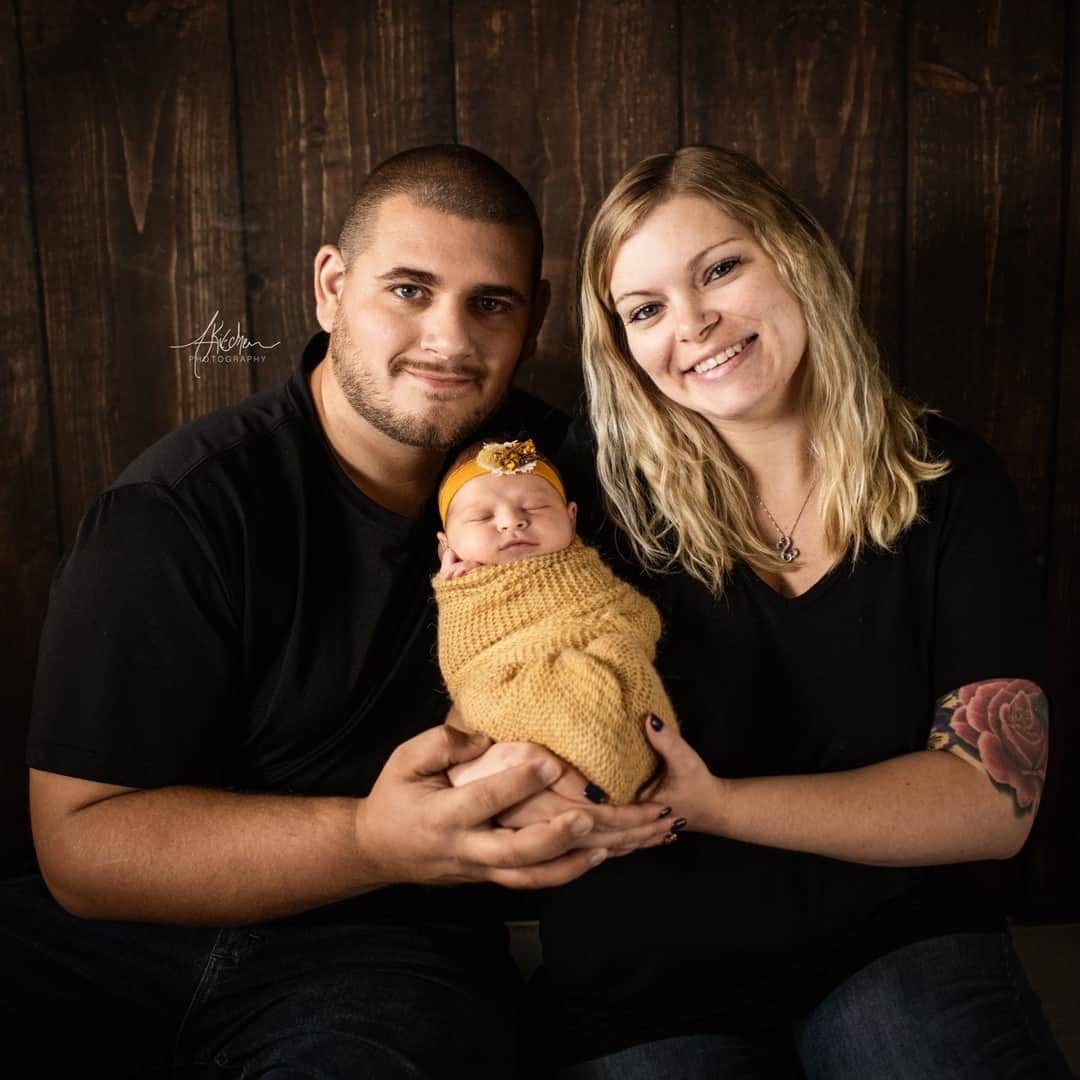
[[406, 292], [722, 268], [646, 311]]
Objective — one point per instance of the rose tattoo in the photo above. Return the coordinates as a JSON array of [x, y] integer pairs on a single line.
[[1002, 723]]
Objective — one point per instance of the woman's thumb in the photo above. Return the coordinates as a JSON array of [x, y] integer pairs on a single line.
[[664, 739]]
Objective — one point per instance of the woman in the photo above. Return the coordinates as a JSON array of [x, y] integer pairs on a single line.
[[848, 604]]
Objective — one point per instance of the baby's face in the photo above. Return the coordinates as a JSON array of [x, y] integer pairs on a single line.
[[497, 519]]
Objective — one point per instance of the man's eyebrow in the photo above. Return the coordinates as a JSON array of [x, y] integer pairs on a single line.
[[426, 277], [422, 277], [691, 263]]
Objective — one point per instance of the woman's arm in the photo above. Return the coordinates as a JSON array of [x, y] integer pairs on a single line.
[[919, 809]]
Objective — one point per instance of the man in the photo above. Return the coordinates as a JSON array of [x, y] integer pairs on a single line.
[[238, 787]]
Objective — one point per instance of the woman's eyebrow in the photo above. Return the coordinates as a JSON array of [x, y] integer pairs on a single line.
[[691, 263]]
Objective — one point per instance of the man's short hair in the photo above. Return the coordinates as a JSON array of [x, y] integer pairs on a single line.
[[449, 178]]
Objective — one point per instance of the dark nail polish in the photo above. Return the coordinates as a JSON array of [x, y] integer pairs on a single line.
[[594, 793], [656, 723], [663, 813], [679, 824]]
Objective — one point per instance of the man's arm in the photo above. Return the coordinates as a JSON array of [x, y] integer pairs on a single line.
[[199, 856]]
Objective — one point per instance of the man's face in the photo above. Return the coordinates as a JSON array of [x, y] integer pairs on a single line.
[[431, 322]]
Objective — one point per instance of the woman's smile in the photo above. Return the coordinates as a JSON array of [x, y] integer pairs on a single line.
[[724, 360]]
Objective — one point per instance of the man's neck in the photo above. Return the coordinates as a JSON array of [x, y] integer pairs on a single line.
[[401, 478]]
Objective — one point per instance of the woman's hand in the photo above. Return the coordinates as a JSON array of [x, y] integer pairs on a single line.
[[684, 782]]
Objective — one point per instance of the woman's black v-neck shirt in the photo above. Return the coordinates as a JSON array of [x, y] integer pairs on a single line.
[[713, 934]]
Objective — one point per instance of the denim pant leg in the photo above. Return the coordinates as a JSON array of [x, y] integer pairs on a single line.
[[766, 1056], [952, 1007], [371, 1000], [90, 999]]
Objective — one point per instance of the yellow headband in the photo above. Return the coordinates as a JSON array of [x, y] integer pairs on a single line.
[[499, 459]]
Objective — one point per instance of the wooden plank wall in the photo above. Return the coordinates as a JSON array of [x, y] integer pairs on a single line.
[[171, 160]]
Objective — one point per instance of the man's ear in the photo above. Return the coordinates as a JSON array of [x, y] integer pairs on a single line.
[[329, 284], [537, 313], [571, 509]]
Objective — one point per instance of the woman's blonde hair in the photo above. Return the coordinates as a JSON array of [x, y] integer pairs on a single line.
[[669, 480]]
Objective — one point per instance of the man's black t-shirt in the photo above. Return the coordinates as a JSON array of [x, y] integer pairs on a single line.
[[235, 613], [711, 934]]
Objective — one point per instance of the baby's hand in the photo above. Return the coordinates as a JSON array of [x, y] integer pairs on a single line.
[[450, 566], [500, 756]]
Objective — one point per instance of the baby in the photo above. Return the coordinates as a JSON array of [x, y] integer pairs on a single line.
[[538, 640]]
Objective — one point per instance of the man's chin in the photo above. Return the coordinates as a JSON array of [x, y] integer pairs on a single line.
[[442, 434], [427, 422]]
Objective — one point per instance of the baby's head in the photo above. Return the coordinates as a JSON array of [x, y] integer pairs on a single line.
[[504, 501]]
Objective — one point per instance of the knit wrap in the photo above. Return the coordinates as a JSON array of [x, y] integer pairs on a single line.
[[555, 649]]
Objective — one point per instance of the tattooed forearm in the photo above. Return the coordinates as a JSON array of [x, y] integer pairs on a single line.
[[1002, 725]]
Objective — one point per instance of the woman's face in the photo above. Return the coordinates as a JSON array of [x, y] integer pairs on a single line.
[[707, 316]]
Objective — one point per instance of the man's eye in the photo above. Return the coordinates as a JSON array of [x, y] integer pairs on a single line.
[[722, 268], [492, 305], [640, 314], [406, 292]]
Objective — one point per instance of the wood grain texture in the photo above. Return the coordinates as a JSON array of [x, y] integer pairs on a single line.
[[29, 535], [814, 92], [134, 166], [567, 95], [984, 212], [1054, 868], [325, 94]]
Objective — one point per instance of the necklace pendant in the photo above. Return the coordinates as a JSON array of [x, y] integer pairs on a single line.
[[788, 551]]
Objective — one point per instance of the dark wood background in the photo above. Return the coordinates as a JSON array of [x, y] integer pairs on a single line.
[[167, 160]]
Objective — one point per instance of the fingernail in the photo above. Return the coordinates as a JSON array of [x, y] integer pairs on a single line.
[[679, 824], [663, 813], [670, 838], [656, 723], [581, 825], [594, 794], [549, 771], [597, 857]]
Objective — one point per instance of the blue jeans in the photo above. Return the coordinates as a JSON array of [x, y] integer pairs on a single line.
[[283, 999], [954, 1007]]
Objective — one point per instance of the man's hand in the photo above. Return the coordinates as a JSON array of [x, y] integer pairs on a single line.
[[415, 827], [617, 829]]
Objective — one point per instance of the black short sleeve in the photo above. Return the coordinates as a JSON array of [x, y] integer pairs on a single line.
[[987, 611], [136, 670]]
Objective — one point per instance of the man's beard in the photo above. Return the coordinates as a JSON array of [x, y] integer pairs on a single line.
[[441, 430]]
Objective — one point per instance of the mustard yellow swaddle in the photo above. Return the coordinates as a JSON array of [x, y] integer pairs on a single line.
[[555, 649]]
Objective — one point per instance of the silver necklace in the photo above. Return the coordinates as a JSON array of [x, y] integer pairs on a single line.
[[785, 546]]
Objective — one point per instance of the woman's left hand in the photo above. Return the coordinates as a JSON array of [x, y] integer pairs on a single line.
[[684, 782]]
